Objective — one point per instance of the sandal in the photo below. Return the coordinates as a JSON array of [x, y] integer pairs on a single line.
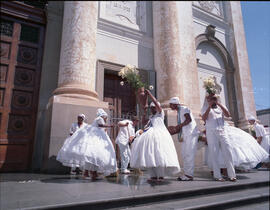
[[184, 179], [220, 179], [232, 179]]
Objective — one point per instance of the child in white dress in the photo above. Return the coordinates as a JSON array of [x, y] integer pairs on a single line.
[[154, 149], [90, 148]]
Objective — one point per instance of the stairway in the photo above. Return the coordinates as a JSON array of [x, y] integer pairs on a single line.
[[221, 197]]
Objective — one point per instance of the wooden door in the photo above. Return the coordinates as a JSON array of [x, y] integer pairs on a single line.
[[122, 103], [21, 56]]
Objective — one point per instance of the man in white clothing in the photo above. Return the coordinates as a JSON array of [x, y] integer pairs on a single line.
[[261, 135], [217, 137], [125, 136], [189, 133], [74, 127]]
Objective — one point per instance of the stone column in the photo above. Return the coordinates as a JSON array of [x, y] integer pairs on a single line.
[[244, 89], [77, 72], [175, 60], [167, 50], [175, 53], [75, 93]]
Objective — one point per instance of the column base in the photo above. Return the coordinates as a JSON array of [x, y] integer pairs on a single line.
[[243, 124], [76, 91], [62, 111]]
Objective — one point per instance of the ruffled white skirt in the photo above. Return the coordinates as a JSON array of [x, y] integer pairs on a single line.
[[89, 148], [246, 151], [155, 148]]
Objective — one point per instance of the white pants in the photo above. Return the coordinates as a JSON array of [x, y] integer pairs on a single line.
[[125, 156], [188, 150], [156, 171], [218, 139]]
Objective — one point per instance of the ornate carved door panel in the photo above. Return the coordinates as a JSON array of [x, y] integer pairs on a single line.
[[21, 56]]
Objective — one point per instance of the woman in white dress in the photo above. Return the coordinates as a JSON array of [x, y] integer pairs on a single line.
[[90, 148], [154, 149], [246, 152]]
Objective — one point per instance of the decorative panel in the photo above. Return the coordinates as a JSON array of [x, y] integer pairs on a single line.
[[4, 50], [19, 125], [27, 55], [214, 7], [24, 77], [2, 94], [3, 73], [29, 34], [131, 14], [21, 100], [6, 27]]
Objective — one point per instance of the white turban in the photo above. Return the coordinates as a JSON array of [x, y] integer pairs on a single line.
[[174, 100], [251, 118], [153, 105], [82, 116], [101, 112]]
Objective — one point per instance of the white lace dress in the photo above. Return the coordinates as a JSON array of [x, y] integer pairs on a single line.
[[247, 153], [155, 148], [89, 148]]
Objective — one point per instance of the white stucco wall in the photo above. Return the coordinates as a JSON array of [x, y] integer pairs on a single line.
[[120, 40]]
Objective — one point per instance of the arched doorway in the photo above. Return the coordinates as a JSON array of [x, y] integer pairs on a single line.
[[214, 59]]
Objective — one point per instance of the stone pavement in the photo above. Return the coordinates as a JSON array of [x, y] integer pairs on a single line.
[[45, 191]]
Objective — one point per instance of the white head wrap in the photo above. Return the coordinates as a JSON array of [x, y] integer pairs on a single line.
[[101, 112], [153, 105], [82, 116], [174, 100], [251, 118]]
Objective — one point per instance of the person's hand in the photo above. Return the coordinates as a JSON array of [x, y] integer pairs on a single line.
[[147, 91]]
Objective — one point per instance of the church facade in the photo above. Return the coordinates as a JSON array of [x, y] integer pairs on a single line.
[[62, 59]]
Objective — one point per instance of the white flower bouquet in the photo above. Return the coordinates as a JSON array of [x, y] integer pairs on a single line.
[[132, 75], [211, 86]]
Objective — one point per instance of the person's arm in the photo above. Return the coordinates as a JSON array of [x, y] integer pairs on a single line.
[[71, 130], [186, 122], [158, 107], [205, 115], [105, 126], [259, 139], [122, 124], [225, 111]]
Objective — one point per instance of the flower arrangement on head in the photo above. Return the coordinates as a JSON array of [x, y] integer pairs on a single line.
[[211, 86]]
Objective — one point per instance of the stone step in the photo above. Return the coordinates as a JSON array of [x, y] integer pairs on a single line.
[[223, 200], [207, 197]]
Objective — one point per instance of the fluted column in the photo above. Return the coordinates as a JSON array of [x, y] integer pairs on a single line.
[[175, 53], [244, 89], [77, 71], [167, 50]]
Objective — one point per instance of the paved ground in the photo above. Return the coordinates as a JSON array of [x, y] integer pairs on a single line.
[[19, 191]]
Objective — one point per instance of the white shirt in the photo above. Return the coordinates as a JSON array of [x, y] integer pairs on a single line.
[[215, 119], [260, 130], [190, 128], [125, 132], [75, 127]]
